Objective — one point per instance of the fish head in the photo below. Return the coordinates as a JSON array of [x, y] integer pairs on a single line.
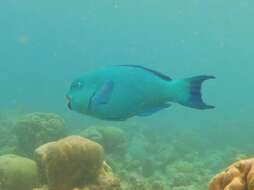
[[79, 95]]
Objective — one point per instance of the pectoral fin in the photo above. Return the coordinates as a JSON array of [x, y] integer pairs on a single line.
[[103, 94], [153, 110]]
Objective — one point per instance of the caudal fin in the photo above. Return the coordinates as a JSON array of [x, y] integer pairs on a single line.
[[191, 95]]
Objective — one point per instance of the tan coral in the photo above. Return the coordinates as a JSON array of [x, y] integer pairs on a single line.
[[17, 173], [70, 162], [105, 181], [113, 139], [35, 129], [238, 176]]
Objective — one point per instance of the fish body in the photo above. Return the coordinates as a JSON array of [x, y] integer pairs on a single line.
[[120, 92]]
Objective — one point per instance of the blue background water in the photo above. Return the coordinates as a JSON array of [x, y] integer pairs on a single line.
[[45, 44]]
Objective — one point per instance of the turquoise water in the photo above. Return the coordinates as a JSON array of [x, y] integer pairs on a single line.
[[44, 45]]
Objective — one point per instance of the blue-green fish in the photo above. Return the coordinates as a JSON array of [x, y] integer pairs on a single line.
[[120, 92]]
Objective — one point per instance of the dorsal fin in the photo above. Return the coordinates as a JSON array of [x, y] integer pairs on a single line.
[[158, 74]]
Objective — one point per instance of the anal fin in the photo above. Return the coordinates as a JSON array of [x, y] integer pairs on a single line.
[[153, 110]]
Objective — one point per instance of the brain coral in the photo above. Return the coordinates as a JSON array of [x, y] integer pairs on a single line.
[[17, 173], [35, 129], [238, 176], [113, 139], [70, 162]]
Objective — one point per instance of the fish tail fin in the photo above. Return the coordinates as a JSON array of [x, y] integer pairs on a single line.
[[190, 95]]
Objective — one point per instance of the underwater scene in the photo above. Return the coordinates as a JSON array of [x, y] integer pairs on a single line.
[[126, 95]]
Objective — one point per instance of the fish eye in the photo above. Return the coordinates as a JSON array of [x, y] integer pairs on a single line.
[[77, 85]]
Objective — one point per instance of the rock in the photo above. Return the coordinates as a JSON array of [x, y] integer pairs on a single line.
[[35, 129], [70, 162], [17, 173]]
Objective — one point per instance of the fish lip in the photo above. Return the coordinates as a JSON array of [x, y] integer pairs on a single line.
[[68, 97], [90, 102], [69, 102], [69, 105]]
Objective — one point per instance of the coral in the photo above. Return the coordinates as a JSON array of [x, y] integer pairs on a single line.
[[187, 174], [137, 183], [181, 173], [157, 185], [35, 129], [42, 188], [17, 173], [7, 139], [69, 162], [75, 162], [238, 176], [105, 180], [190, 187], [148, 167], [93, 134], [113, 139], [137, 147]]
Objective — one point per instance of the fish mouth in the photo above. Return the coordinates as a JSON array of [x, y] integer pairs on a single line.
[[90, 102], [69, 105], [69, 102]]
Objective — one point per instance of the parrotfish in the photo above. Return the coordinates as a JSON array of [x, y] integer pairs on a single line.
[[119, 92]]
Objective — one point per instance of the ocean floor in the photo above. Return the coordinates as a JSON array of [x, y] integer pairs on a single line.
[[142, 157]]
